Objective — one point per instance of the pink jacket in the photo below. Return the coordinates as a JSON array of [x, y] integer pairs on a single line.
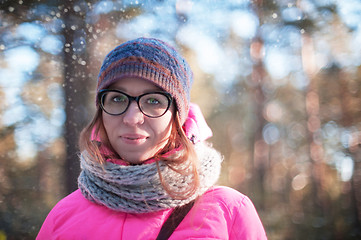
[[221, 213]]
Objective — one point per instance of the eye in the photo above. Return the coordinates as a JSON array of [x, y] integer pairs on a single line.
[[119, 98], [153, 101], [115, 98]]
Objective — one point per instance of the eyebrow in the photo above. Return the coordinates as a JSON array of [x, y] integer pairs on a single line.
[[152, 88], [155, 89]]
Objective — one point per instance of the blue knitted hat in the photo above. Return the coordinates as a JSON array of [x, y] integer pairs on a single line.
[[153, 60]]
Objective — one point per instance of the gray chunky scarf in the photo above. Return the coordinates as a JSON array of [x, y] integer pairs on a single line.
[[137, 189]]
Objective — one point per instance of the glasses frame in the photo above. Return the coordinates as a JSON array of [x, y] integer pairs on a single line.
[[132, 98]]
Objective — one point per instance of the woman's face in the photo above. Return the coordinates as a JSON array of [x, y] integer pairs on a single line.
[[134, 136]]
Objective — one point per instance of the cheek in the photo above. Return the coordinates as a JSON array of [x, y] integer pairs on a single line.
[[163, 127], [109, 124]]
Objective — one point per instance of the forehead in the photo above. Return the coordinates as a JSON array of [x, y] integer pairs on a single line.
[[132, 83]]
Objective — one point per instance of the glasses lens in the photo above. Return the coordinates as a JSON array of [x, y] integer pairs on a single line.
[[114, 102], [154, 104]]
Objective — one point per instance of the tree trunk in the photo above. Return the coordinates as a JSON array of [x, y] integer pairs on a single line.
[[75, 90], [261, 151]]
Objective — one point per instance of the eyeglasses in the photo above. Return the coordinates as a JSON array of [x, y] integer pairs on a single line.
[[152, 104]]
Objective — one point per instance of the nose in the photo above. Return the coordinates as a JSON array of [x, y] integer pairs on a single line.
[[133, 115]]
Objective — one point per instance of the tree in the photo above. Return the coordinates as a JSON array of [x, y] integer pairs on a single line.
[[76, 86]]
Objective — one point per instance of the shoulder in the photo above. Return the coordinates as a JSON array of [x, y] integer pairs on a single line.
[[70, 202], [226, 195], [67, 206], [232, 200], [237, 211], [59, 215], [224, 201], [74, 217], [72, 207], [222, 213]]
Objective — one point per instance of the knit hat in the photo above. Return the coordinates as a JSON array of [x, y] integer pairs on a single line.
[[153, 60]]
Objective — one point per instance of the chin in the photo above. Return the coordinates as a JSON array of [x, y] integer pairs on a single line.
[[135, 159]]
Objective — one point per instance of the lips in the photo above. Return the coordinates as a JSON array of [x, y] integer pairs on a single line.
[[133, 138]]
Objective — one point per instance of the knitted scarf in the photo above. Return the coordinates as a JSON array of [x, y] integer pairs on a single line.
[[137, 188]]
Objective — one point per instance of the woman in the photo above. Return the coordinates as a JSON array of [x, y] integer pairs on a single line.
[[144, 159]]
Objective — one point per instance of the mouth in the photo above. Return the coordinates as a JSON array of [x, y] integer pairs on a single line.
[[134, 138]]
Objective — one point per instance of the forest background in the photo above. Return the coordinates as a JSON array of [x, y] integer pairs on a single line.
[[279, 83]]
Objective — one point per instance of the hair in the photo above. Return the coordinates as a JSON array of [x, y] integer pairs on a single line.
[[183, 160]]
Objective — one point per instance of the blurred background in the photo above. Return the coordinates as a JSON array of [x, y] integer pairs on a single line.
[[279, 83]]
